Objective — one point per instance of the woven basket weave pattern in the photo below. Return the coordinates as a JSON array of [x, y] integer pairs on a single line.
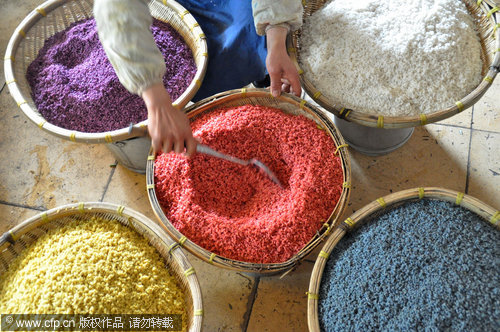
[[19, 238], [486, 19], [379, 206], [289, 104], [56, 15]]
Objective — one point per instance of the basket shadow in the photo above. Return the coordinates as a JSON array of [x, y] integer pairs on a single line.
[[435, 155]]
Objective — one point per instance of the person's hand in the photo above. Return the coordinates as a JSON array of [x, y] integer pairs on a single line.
[[282, 71], [168, 127]]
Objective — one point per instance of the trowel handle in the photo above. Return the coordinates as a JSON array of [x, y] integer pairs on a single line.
[[202, 148]]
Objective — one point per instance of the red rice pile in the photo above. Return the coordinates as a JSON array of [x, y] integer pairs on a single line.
[[233, 210]]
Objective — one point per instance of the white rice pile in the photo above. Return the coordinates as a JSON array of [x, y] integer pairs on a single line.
[[393, 58]]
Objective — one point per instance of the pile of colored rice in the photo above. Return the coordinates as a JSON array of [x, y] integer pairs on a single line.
[[96, 266], [424, 266], [75, 87], [233, 210], [392, 58]]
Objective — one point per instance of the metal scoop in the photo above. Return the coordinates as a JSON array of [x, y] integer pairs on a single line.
[[201, 148]]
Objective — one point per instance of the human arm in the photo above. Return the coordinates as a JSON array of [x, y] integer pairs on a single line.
[[168, 126], [124, 31], [282, 71], [275, 19]]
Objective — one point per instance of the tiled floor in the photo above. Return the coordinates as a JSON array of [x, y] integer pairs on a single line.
[[39, 171]]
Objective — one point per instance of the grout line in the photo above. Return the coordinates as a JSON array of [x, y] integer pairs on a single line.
[[465, 127], [36, 208], [251, 300], [470, 128], [448, 125], [108, 182], [467, 178], [485, 131], [3, 87]]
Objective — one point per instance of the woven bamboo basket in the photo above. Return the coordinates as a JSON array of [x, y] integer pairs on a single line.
[[56, 15], [14, 241], [289, 104], [493, 3], [372, 209], [487, 18]]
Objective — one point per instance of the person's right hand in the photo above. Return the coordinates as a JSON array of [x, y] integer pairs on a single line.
[[168, 127]]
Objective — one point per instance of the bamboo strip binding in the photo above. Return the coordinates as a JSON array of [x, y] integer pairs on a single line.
[[488, 213], [289, 104], [17, 239], [490, 40], [56, 15]]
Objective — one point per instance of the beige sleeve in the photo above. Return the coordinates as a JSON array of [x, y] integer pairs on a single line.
[[124, 30], [271, 12]]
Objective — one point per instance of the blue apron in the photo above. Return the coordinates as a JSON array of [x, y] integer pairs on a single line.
[[236, 54]]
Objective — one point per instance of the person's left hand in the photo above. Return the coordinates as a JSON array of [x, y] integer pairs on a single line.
[[282, 71]]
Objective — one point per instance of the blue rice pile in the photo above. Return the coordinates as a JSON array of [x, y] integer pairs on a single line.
[[425, 265]]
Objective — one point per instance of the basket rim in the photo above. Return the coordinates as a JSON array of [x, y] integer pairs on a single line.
[[466, 201], [11, 236], [493, 3], [247, 267], [382, 121], [113, 135]]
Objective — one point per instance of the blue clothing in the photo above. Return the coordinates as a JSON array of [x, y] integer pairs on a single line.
[[236, 54]]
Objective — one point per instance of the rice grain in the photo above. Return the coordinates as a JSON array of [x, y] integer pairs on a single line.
[[393, 58], [94, 266], [423, 266], [233, 210]]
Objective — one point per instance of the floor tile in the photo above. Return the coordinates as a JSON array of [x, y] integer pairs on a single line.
[[435, 155], [129, 189], [225, 296], [17, 11], [462, 119], [38, 169], [487, 109], [484, 177], [11, 216], [281, 304]]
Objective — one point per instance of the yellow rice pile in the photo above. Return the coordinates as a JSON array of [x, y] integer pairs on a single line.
[[91, 267]]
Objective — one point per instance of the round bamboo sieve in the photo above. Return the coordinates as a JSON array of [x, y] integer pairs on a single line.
[[56, 15], [487, 18], [372, 209], [14, 241], [289, 104]]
